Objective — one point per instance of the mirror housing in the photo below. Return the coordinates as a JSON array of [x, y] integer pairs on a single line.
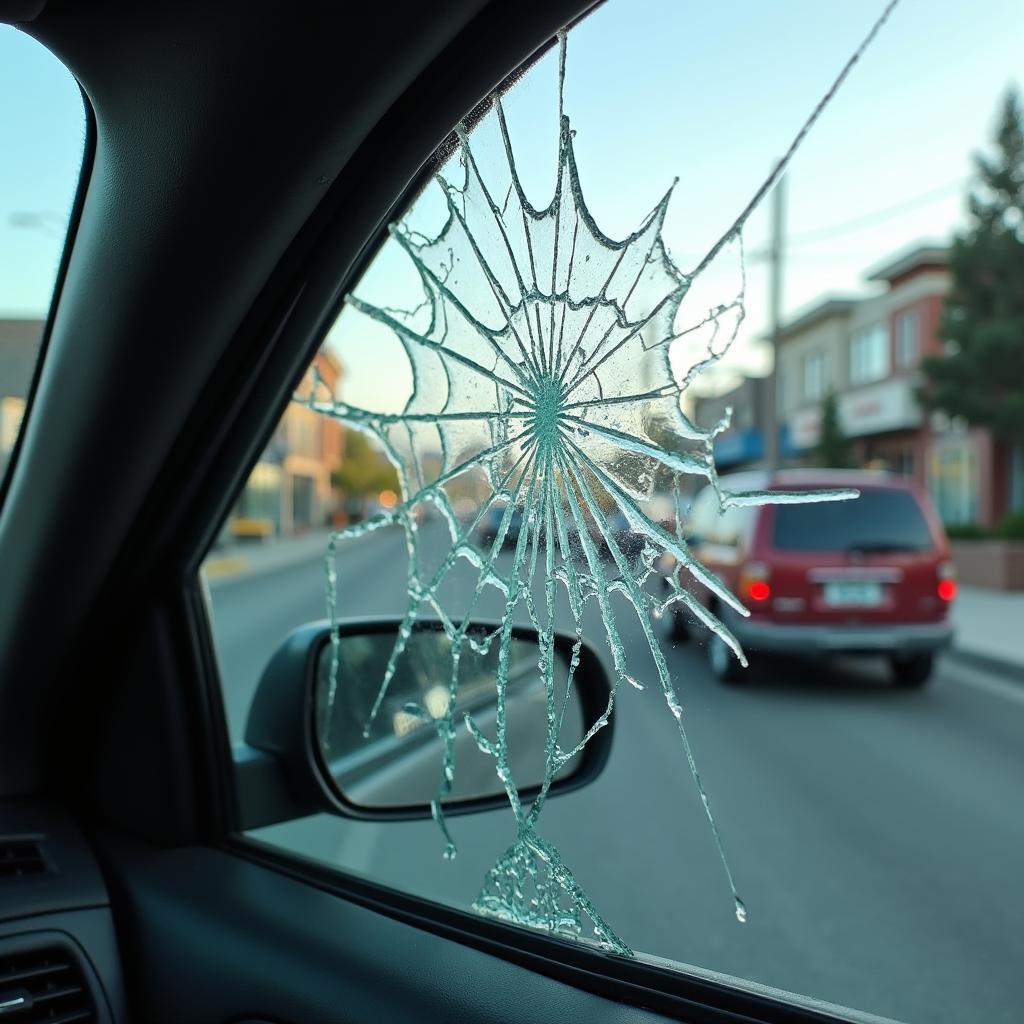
[[280, 773]]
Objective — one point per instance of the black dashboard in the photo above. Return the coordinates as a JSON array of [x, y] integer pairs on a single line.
[[59, 960]]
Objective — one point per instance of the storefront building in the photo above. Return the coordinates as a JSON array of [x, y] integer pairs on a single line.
[[290, 489], [867, 352]]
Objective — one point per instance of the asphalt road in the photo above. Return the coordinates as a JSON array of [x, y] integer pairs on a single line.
[[876, 835]]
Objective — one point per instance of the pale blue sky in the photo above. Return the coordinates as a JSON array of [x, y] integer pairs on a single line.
[[709, 92], [42, 128]]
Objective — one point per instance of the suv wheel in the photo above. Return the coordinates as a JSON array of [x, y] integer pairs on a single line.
[[722, 661], [678, 631], [912, 670]]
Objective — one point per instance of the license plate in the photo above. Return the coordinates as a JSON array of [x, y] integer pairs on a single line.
[[853, 594]]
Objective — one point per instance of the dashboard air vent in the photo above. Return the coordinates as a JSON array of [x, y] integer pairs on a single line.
[[44, 986], [20, 857]]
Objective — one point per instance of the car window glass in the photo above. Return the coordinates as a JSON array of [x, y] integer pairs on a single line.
[[880, 520], [42, 123], [497, 351]]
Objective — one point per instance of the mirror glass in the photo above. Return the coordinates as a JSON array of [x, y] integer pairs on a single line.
[[397, 761]]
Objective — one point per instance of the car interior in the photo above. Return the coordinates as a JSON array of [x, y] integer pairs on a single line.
[[242, 162]]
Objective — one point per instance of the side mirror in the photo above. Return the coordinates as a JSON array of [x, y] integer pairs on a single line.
[[310, 746]]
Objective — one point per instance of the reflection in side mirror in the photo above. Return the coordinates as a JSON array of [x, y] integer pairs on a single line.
[[307, 749], [393, 758]]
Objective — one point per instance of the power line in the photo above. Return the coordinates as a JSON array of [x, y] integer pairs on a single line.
[[873, 217], [876, 216]]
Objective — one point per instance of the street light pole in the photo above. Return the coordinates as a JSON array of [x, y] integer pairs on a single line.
[[771, 424]]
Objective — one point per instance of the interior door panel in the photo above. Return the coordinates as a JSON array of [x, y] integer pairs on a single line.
[[194, 930]]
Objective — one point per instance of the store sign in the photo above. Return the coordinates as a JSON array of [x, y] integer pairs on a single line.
[[887, 405]]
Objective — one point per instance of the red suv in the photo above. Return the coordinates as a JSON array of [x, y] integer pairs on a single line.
[[868, 575]]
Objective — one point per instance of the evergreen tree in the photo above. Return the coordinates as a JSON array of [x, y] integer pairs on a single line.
[[981, 378], [833, 450]]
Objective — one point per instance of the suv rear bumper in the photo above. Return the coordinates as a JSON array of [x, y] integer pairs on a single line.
[[798, 638]]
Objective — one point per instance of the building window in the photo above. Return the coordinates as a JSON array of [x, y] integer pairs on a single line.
[[1017, 478], [908, 326], [953, 481], [904, 463], [305, 433], [261, 499], [814, 376], [869, 354]]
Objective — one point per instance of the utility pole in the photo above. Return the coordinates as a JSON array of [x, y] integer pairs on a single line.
[[775, 253]]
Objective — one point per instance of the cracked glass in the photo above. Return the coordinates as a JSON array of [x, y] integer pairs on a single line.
[[517, 422], [542, 386]]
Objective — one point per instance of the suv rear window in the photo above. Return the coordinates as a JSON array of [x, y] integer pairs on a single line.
[[879, 520]]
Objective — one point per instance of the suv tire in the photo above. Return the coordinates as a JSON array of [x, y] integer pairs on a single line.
[[721, 660], [913, 670], [678, 631]]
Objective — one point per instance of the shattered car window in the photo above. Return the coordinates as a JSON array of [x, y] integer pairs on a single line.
[[542, 382], [537, 436]]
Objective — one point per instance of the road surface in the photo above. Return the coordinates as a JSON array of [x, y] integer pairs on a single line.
[[876, 835]]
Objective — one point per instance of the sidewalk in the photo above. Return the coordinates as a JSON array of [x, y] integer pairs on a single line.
[[248, 558], [990, 629]]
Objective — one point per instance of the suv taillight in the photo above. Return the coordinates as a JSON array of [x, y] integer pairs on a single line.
[[946, 587], [754, 582]]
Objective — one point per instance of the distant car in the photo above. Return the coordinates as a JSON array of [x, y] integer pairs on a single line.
[[490, 524], [870, 575], [627, 541], [515, 524]]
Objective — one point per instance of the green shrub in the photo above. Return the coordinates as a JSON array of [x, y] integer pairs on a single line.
[[967, 531], [1012, 527]]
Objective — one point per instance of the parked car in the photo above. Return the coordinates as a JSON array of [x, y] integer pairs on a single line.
[[490, 524], [871, 575]]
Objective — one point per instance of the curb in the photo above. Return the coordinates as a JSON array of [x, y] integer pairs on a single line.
[[232, 568], [987, 662], [225, 568]]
